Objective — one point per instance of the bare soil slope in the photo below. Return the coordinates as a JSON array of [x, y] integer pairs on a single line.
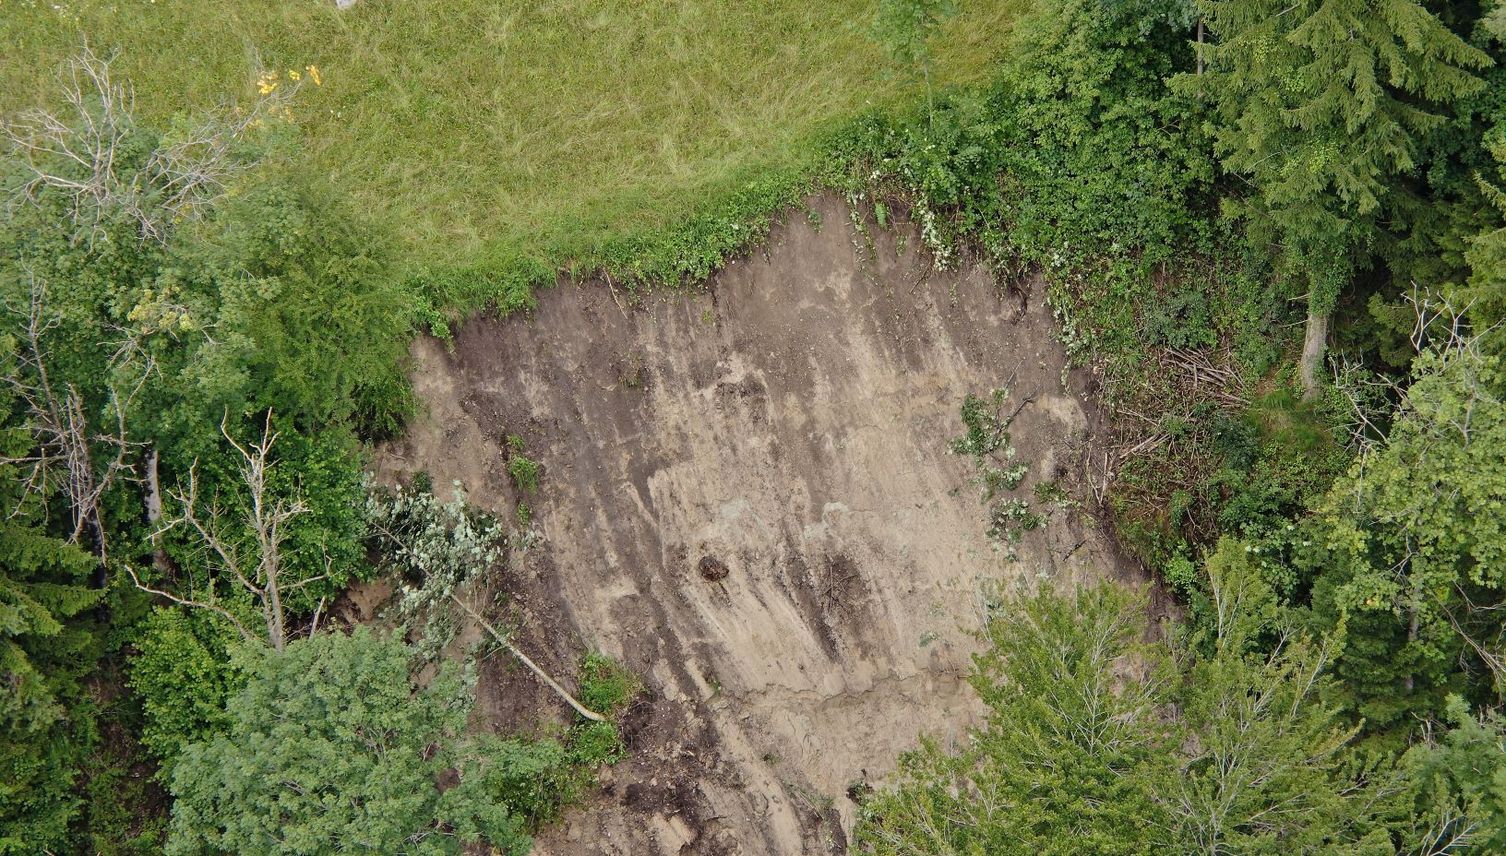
[[747, 497]]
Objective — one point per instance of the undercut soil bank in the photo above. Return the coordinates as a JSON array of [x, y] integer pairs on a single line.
[[747, 496]]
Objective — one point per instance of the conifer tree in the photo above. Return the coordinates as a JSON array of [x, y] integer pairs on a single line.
[[44, 653], [1320, 105]]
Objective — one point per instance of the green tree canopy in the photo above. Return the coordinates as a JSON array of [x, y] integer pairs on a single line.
[[1069, 754], [1320, 105], [48, 645], [1459, 781], [331, 747], [1095, 742], [45, 651], [1407, 554]]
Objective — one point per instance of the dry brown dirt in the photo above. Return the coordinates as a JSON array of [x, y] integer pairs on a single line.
[[747, 497]]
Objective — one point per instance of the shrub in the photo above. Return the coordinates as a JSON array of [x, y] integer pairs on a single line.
[[606, 685], [533, 778], [183, 676], [595, 743], [523, 470], [331, 747], [524, 473], [435, 547]]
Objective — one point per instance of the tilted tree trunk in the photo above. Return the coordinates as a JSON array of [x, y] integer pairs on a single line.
[[1313, 349], [153, 500], [525, 660]]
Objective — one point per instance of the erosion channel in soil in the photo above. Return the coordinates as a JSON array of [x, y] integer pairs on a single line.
[[747, 496]]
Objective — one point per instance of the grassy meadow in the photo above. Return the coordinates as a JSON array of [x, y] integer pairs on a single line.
[[547, 128]]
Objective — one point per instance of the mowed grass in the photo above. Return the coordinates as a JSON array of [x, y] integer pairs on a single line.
[[547, 128]]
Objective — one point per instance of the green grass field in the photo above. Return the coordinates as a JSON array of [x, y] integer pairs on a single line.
[[545, 127]]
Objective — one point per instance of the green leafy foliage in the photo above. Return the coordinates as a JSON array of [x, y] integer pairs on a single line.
[[523, 471], [1065, 745], [154, 310], [492, 144], [996, 470], [606, 686], [48, 646], [46, 651], [183, 674], [1461, 779], [1267, 764], [1355, 134], [1094, 741], [1485, 253], [124, 806], [313, 322], [1405, 553], [595, 743], [436, 549], [905, 29], [438, 544], [1028, 168], [333, 748], [534, 779]]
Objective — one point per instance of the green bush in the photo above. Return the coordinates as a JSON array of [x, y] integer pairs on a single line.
[[333, 747], [606, 685], [1179, 320], [533, 778], [308, 296], [1066, 154], [595, 743], [183, 674], [524, 473]]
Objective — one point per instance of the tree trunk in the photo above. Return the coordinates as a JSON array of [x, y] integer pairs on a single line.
[[1410, 681], [1312, 353], [272, 606], [160, 559], [1199, 45], [1413, 622], [524, 659]]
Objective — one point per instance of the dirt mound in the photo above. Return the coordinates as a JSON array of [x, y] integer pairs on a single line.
[[747, 496]]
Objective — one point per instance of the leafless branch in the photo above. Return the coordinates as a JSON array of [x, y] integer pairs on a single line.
[[72, 453], [259, 570], [78, 153], [195, 603]]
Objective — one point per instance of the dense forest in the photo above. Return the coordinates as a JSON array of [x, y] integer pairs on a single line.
[[1309, 196], [1275, 232]]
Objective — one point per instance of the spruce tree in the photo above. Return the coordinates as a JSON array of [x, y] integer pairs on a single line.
[[45, 651], [1319, 105], [48, 646]]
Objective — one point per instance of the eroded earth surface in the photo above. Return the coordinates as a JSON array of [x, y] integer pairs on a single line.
[[747, 496]]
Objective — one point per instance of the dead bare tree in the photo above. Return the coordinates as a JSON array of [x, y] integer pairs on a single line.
[[1439, 326], [78, 153], [255, 567], [72, 452]]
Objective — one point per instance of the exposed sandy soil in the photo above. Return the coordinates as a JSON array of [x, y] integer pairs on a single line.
[[747, 497]]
